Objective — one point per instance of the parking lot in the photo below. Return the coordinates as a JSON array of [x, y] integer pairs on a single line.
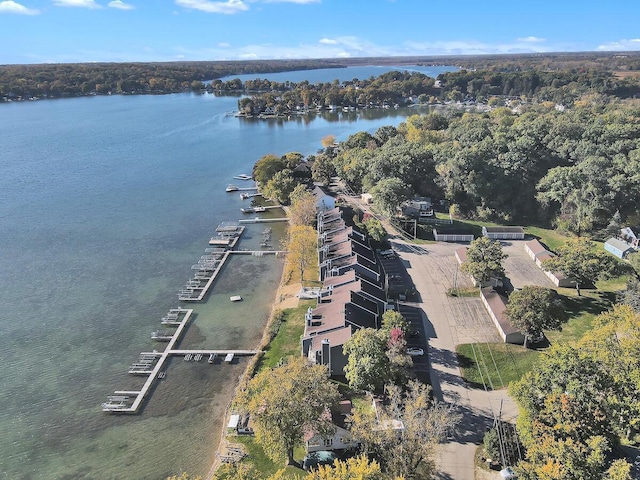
[[520, 269]]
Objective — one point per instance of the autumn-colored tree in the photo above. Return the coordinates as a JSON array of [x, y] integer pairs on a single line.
[[328, 140], [303, 206], [287, 401], [393, 319], [403, 435], [484, 259], [280, 186], [354, 468], [237, 471], [267, 167], [301, 246]]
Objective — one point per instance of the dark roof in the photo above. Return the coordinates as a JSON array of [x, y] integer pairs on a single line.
[[504, 229]]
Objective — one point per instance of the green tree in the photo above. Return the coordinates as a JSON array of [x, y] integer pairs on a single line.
[[392, 319], [367, 366], [280, 186], [404, 435], [322, 169], [374, 229], [287, 401], [267, 167], [533, 309], [619, 470], [388, 194], [301, 246], [484, 260], [579, 259]]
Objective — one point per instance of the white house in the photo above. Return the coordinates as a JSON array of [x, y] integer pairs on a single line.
[[340, 440]]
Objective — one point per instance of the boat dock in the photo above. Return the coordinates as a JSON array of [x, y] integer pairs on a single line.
[[151, 363], [207, 272], [264, 220]]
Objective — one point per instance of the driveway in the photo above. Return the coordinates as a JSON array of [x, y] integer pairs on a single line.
[[449, 321], [520, 269]]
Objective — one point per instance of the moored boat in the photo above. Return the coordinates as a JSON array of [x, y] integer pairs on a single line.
[[232, 188]]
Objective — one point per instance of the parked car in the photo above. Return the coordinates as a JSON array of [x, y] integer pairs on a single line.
[[508, 473], [415, 351], [388, 253], [245, 431]]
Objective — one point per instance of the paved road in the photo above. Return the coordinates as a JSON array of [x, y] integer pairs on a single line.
[[450, 321]]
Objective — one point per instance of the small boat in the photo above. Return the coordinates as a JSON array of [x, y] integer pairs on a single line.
[[235, 298], [243, 176], [247, 210], [229, 358], [259, 209], [244, 196], [212, 358], [162, 374], [232, 188]]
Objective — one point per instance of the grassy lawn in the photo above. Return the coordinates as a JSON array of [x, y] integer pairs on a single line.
[[497, 364], [581, 311], [287, 341], [263, 464], [550, 238], [463, 292]]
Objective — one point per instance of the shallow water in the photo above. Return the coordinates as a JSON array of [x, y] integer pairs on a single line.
[[105, 203]]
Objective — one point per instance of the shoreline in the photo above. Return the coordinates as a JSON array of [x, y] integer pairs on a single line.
[[279, 302]]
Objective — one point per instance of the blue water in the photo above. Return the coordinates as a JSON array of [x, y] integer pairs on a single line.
[[342, 74], [105, 203]]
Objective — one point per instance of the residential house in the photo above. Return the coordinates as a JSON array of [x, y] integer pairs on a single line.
[[618, 248], [417, 208], [323, 201], [631, 236], [340, 440]]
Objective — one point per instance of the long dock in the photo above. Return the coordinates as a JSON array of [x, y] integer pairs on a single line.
[[119, 401], [263, 220], [196, 294]]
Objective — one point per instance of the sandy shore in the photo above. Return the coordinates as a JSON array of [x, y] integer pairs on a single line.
[[285, 298]]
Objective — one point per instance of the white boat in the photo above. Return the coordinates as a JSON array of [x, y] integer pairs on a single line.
[[229, 358], [232, 188], [212, 358], [235, 298], [243, 176], [259, 209]]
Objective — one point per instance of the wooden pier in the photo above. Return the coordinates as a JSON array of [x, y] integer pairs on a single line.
[[120, 400], [263, 220], [196, 294]]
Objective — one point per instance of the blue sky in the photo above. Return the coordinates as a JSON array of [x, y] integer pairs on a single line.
[[42, 31]]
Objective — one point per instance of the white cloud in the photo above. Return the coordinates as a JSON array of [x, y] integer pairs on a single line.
[[530, 39], [227, 7], [249, 56], [224, 45], [328, 41], [9, 6], [472, 47], [77, 3], [120, 5], [621, 45]]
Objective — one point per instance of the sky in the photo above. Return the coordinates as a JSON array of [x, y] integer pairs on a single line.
[[61, 31]]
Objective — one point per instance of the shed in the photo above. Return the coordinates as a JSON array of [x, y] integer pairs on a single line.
[[234, 420], [366, 198], [539, 254], [451, 236], [617, 247], [503, 233], [496, 305]]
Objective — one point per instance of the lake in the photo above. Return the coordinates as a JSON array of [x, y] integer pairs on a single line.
[[105, 203]]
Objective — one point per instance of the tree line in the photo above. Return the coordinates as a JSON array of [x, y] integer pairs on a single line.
[[572, 168]]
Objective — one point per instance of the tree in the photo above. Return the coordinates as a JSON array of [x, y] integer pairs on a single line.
[[367, 366], [631, 295], [388, 194], [354, 468], [301, 246], [303, 206], [579, 259], [322, 169], [374, 229], [484, 260], [267, 167], [288, 401], [533, 309], [392, 319], [280, 186], [404, 435], [328, 141]]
